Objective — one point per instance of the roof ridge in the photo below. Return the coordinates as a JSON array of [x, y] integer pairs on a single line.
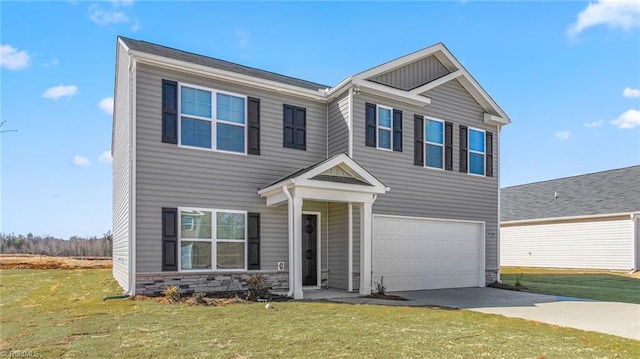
[[573, 176], [226, 61]]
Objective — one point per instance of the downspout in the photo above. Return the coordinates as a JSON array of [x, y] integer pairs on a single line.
[[636, 254], [499, 214], [285, 190]]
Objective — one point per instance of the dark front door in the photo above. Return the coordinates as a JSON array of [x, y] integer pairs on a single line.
[[309, 249]]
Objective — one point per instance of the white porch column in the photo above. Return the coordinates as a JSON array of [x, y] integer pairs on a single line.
[[297, 248], [350, 249], [366, 223]]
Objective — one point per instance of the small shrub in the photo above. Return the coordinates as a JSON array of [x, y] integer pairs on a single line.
[[200, 298], [172, 294], [380, 288], [258, 287]]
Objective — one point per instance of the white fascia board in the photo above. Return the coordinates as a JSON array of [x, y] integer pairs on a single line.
[[229, 76], [338, 186], [398, 95], [570, 218], [401, 61], [494, 120], [336, 91], [267, 191], [437, 82]]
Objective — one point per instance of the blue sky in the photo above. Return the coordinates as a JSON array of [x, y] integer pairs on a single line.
[[567, 73]]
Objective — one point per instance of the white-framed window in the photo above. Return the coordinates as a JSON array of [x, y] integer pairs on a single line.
[[212, 119], [384, 127], [477, 150], [212, 239], [434, 143]]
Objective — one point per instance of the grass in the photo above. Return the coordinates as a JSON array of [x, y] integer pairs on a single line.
[[54, 313], [590, 284]]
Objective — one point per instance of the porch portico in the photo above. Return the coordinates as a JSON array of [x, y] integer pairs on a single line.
[[338, 179]]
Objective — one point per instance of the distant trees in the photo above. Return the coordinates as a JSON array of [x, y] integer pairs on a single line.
[[52, 246]]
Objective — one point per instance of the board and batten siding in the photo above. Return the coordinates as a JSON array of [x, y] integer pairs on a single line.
[[172, 176], [338, 126], [412, 75], [121, 227], [597, 244], [424, 192]]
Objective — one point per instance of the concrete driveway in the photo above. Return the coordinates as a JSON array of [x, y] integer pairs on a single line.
[[621, 319]]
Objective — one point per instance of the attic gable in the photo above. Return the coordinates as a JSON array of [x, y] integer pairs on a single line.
[[412, 75]]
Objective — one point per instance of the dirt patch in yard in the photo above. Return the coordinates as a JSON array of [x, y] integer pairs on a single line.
[[29, 261]]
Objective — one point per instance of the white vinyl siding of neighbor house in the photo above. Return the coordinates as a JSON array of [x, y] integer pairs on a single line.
[[173, 176], [421, 192], [596, 244], [122, 143]]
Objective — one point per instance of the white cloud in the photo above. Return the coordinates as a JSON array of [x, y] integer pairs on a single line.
[[53, 63], [594, 124], [614, 13], [562, 135], [13, 59], [106, 17], [105, 157], [630, 119], [60, 91], [81, 161], [243, 37], [106, 105], [631, 92]]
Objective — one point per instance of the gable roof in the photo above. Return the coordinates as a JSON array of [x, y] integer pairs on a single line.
[[609, 192], [454, 71], [168, 52]]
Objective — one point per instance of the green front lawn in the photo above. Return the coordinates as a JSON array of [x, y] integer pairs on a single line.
[[53, 313], [599, 285]]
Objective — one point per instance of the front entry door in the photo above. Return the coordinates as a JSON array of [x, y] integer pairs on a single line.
[[309, 249]]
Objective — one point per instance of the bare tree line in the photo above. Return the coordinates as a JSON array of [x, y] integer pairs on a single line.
[[51, 246]]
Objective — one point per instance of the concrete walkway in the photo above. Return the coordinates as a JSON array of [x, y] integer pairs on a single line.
[[621, 319]]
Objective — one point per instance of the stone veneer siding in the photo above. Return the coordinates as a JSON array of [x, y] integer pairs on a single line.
[[153, 284]]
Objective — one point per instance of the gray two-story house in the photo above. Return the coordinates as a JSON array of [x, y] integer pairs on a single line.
[[222, 171]]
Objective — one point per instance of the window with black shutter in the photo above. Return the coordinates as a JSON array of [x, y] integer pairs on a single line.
[[294, 127], [169, 239]]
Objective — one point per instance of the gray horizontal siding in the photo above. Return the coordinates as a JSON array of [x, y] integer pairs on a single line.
[[422, 192], [121, 174], [412, 75], [594, 245], [338, 246], [170, 176], [338, 126]]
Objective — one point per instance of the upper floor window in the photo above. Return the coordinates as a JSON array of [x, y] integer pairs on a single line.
[[383, 127], [383, 122], [294, 127], [212, 119], [434, 143], [477, 152]]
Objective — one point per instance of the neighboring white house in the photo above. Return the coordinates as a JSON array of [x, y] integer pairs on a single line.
[[587, 221]]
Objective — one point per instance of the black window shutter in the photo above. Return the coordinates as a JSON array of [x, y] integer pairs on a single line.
[[169, 111], [370, 125], [253, 122], [169, 239], [463, 148], [448, 146], [489, 154], [294, 127], [418, 140], [253, 261], [397, 130]]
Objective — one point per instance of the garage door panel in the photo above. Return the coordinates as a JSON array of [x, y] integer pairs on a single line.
[[419, 253]]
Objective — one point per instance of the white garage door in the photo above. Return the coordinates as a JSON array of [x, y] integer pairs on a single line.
[[421, 253]]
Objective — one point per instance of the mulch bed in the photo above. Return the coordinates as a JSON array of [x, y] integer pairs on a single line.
[[518, 288], [385, 296]]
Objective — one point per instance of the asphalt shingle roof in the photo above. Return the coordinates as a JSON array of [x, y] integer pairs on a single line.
[[175, 54], [614, 191]]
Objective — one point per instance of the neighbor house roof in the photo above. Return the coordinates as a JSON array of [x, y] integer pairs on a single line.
[[168, 52], [609, 192]]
